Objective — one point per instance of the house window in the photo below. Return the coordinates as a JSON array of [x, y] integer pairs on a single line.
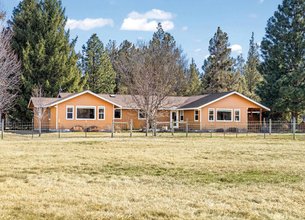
[[118, 113], [211, 114], [69, 112], [237, 115], [141, 114], [196, 115], [181, 114], [224, 115], [85, 113], [101, 112]]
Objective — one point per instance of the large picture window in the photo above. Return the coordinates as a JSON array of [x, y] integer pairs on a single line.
[[224, 115], [85, 112], [118, 113], [69, 112]]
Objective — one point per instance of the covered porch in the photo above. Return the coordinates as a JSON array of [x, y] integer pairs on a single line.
[[255, 118]]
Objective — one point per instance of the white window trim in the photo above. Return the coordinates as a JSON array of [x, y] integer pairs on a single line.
[[225, 109], [69, 106], [235, 110], [114, 113], [98, 113], [139, 116], [211, 109], [85, 107], [195, 115], [181, 111]]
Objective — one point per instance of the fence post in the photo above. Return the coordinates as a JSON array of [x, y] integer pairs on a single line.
[[112, 129], [236, 132], [187, 128], [264, 128], [270, 126], [2, 128], [131, 127], [293, 127], [173, 129], [32, 128], [155, 129]]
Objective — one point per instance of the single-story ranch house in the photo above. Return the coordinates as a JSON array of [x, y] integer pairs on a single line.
[[84, 109]]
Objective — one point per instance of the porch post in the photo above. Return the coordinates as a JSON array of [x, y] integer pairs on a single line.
[[260, 116]]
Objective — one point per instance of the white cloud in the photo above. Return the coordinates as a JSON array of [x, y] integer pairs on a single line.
[[198, 50], [184, 28], [236, 48], [88, 23], [148, 21]]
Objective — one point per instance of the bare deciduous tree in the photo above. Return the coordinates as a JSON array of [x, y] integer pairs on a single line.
[[39, 108], [9, 72], [152, 77]]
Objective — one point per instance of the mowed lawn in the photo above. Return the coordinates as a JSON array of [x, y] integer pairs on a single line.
[[152, 178]]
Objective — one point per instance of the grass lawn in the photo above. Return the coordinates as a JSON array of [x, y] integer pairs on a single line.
[[152, 178]]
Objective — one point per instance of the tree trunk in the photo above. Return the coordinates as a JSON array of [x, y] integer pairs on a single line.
[[39, 127], [147, 126]]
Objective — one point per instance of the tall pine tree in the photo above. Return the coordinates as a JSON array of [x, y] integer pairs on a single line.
[[239, 69], [218, 67], [42, 44], [97, 67], [193, 80], [283, 68], [162, 39], [251, 74], [120, 59]]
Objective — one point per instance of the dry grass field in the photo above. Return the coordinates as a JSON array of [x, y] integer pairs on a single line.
[[152, 178]]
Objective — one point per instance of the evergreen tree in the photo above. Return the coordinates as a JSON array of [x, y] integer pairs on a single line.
[[42, 44], [283, 68], [97, 67], [239, 69], [193, 79], [218, 67], [120, 59], [251, 74], [162, 39]]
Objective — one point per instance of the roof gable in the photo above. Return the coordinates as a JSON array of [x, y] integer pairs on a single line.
[[68, 97], [212, 98]]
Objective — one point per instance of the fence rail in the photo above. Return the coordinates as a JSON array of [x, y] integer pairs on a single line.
[[119, 128]]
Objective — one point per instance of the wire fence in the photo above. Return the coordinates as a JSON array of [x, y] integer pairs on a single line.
[[124, 129]]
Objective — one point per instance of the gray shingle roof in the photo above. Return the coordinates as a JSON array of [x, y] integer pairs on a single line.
[[204, 100], [128, 101]]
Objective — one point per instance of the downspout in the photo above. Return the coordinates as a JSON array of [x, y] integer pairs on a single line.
[[200, 119], [56, 119]]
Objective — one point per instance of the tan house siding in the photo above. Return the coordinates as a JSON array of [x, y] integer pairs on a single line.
[[84, 100], [231, 102]]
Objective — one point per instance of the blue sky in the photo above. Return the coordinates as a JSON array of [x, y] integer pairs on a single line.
[[191, 22]]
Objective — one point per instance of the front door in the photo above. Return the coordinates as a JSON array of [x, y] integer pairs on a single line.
[[174, 119]]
